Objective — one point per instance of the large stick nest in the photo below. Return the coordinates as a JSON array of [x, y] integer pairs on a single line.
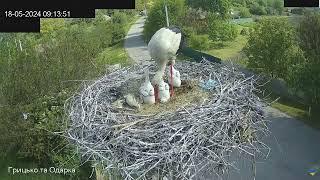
[[178, 144]]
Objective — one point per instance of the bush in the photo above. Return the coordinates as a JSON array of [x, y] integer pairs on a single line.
[[157, 19], [305, 75], [199, 42], [118, 33], [119, 18], [32, 76], [221, 30], [245, 31], [215, 6], [257, 9], [244, 12], [271, 47]]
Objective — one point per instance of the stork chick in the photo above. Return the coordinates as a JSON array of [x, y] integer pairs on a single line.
[[147, 91], [176, 81], [164, 93]]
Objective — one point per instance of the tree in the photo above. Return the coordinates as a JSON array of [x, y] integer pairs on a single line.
[[217, 6], [221, 30], [244, 12], [157, 18], [271, 47], [258, 9], [278, 6], [306, 75]]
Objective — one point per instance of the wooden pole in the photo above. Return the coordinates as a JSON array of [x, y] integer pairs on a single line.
[[145, 7]]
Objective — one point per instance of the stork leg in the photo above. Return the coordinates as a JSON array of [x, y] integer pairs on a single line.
[[156, 93]]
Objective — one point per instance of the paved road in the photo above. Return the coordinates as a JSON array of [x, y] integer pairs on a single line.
[[134, 43], [295, 147]]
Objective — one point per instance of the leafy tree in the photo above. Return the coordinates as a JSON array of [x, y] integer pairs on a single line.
[[217, 6], [262, 3], [271, 47], [244, 12], [200, 42], [258, 9], [278, 6], [221, 30], [306, 75], [157, 19]]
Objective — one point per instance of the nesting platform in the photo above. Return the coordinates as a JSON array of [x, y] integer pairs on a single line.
[[195, 131]]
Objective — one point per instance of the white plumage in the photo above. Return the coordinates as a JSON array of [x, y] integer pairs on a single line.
[[164, 92], [147, 91], [163, 47], [175, 77]]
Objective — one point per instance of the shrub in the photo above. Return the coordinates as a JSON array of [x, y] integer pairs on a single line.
[[257, 9], [118, 33], [271, 46], [305, 75], [215, 6], [119, 18], [199, 42], [245, 31], [32, 76], [244, 12], [221, 30]]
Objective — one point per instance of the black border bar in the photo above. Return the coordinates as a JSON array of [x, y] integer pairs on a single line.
[[301, 3]]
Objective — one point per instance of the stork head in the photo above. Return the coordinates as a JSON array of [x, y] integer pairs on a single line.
[[178, 30]]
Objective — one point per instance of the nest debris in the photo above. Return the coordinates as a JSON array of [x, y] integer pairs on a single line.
[[177, 144]]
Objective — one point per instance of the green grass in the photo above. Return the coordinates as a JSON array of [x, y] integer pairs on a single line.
[[228, 50], [113, 55], [299, 114], [290, 110], [116, 54]]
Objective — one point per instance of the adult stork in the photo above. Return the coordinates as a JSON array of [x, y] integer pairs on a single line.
[[163, 48]]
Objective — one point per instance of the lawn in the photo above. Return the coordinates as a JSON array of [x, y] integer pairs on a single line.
[[298, 113], [229, 49]]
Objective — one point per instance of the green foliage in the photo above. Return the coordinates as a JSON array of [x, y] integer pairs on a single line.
[[299, 11], [50, 26], [221, 30], [244, 12], [271, 47], [34, 71], [45, 116], [39, 143], [245, 31], [118, 33], [199, 42], [119, 18], [306, 74], [278, 5], [157, 19], [257, 9], [217, 6], [112, 55]]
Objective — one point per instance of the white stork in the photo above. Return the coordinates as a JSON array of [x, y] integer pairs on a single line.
[[163, 48]]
